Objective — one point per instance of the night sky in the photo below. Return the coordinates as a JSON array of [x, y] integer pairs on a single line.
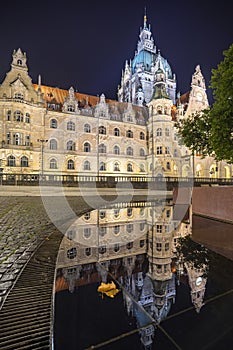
[[84, 44]]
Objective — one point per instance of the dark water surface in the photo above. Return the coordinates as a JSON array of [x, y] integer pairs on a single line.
[[173, 293]]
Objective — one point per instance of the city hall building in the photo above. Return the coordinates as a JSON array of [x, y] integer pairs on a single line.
[[50, 131]]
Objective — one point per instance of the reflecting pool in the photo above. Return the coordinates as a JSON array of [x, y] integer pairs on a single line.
[[130, 276]]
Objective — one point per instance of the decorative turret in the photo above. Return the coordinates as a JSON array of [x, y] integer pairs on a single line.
[[19, 60]]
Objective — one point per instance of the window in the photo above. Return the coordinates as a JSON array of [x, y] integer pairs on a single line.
[[142, 168], [87, 147], [87, 165], [116, 150], [24, 161], [102, 214], [129, 211], [129, 167], [87, 128], [167, 151], [129, 228], [159, 247], [8, 138], [87, 232], [129, 134], [19, 96], [129, 245], [18, 116], [53, 163], [70, 108], [129, 118], [102, 130], [102, 148], [102, 166], [53, 124], [142, 152], [142, 136], [129, 151], [142, 226], [116, 229], [27, 118], [116, 167], [116, 213], [168, 166], [159, 150], [141, 243], [70, 145], [116, 132], [8, 116], [102, 231], [102, 249], [17, 139], [53, 144], [159, 132], [166, 247], [159, 228], [88, 251], [27, 140], [70, 126], [70, 164], [116, 247], [168, 213], [70, 235], [87, 216], [19, 62], [175, 153], [72, 253], [167, 132], [11, 161]]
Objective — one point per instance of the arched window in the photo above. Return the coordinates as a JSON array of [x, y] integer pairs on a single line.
[[19, 62], [142, 152], [116, 150], [116, 132], [70, 164], [70, 145], [87, 147], [167, 132], [102, 249], [129, 245], [27, 118], [53, 163], [8, 115], [129, 151], [70, 108], [142, 136], [11, 161], [72, 253], [102, 130], [87, 128], [159, 110], [102, 166], [159, 150], [88, 251], [175, 153], [18, 116], [71, 126], [116, 247], [24, 161], [129, 134], [142, 168], [87, 165], [102, 148], [53, 144], [19, 96], [87, 232], [159, 132], [168, 166], [53, 124], [129, 167], [129, 227], [116, 167]]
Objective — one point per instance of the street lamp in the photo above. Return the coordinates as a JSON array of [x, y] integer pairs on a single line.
[[42, 142]]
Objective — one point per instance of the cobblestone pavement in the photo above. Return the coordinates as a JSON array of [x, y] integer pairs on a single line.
[[23, 226]]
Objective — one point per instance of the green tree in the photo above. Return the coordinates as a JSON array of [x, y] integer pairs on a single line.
[[212, 130]]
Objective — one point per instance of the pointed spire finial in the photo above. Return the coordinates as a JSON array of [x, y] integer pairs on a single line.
[[145, 18]]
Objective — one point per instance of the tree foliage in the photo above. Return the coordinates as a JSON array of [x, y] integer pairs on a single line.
[[212, 130]]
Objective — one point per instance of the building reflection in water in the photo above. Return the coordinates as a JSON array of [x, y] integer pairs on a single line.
[[135, 245]]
